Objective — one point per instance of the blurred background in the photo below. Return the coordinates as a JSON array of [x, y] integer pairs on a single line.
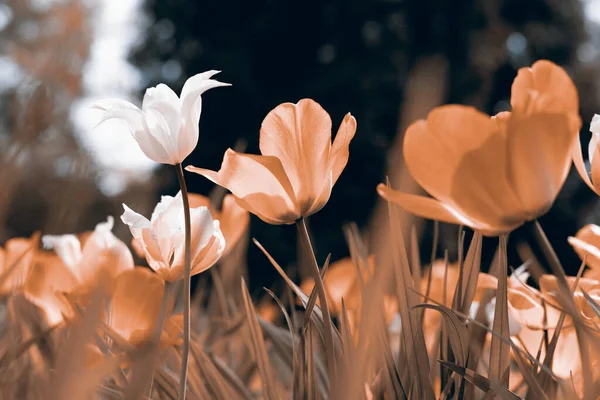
[[388, 62]]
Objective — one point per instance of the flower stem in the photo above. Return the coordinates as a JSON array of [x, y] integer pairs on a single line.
[[185, 355], [320, 288]]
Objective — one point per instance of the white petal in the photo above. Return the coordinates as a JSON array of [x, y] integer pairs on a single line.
[[109, 104], [67, 247], [163, 121], [595, 124], [160, 92], [191, 106], [593, 144], [135, 221]]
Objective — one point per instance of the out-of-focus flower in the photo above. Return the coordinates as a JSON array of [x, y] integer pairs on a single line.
[[298, 167], [342, 282], [47, 284], [494, 173], [15, 263], [102, 258], [166, 127], [162, 237], [586, 244], [592, 181], [567, 361]]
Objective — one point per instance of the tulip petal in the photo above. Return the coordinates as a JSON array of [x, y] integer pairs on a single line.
[[202, 230], [459, 156], [136, 121], [259, 181], [544, 87], [67, 247], [211, 253], [135, 303], [338, 157], [539, 154], [299, 135], [160, 93], [426, 207], [163, 122], [104, 254], [135, 221], [234, 222]]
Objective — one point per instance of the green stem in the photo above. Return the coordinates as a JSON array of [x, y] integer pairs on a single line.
[[187, 270], [320, 288]]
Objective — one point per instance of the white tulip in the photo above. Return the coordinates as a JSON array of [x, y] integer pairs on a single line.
[[166, 127], [162, 237]]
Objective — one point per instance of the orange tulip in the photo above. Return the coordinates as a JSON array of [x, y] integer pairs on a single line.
[[46, 285], [103, 255], [298, 167], [341, 282], [586, 244], [494, 173]]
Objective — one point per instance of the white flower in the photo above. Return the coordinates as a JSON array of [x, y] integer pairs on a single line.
[[162, 237], [166, 127], [102, 253]]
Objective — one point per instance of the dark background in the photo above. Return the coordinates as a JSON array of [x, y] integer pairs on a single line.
[[356, 56]]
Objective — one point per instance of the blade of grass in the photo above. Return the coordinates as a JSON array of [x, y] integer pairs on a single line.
[[499, 351], [485, 384], [320, 288], [411, 325], [258, 346]]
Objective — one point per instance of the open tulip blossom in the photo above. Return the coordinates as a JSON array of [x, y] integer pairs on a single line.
[[162, 237], [166, 127], [298, 167], [494, 173]]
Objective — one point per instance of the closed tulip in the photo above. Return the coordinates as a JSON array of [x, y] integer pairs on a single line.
[[166, 127], [162, 237], [494, 173], [298, 167]]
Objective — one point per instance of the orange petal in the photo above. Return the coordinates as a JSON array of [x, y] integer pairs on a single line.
[[459, 156], [586, 244], [340, 151], [299, 135], [135, 303], [544, 87], [539, 154], [426, 207], [259, 181], [525, 309], [234, 222]]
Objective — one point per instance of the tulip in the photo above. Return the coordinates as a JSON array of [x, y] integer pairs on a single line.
[[342, 282], [166, 127], [47, 284], [162, 237], [102, 258], [298, 167], [494, 173], [586, 244], [233, 220]]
